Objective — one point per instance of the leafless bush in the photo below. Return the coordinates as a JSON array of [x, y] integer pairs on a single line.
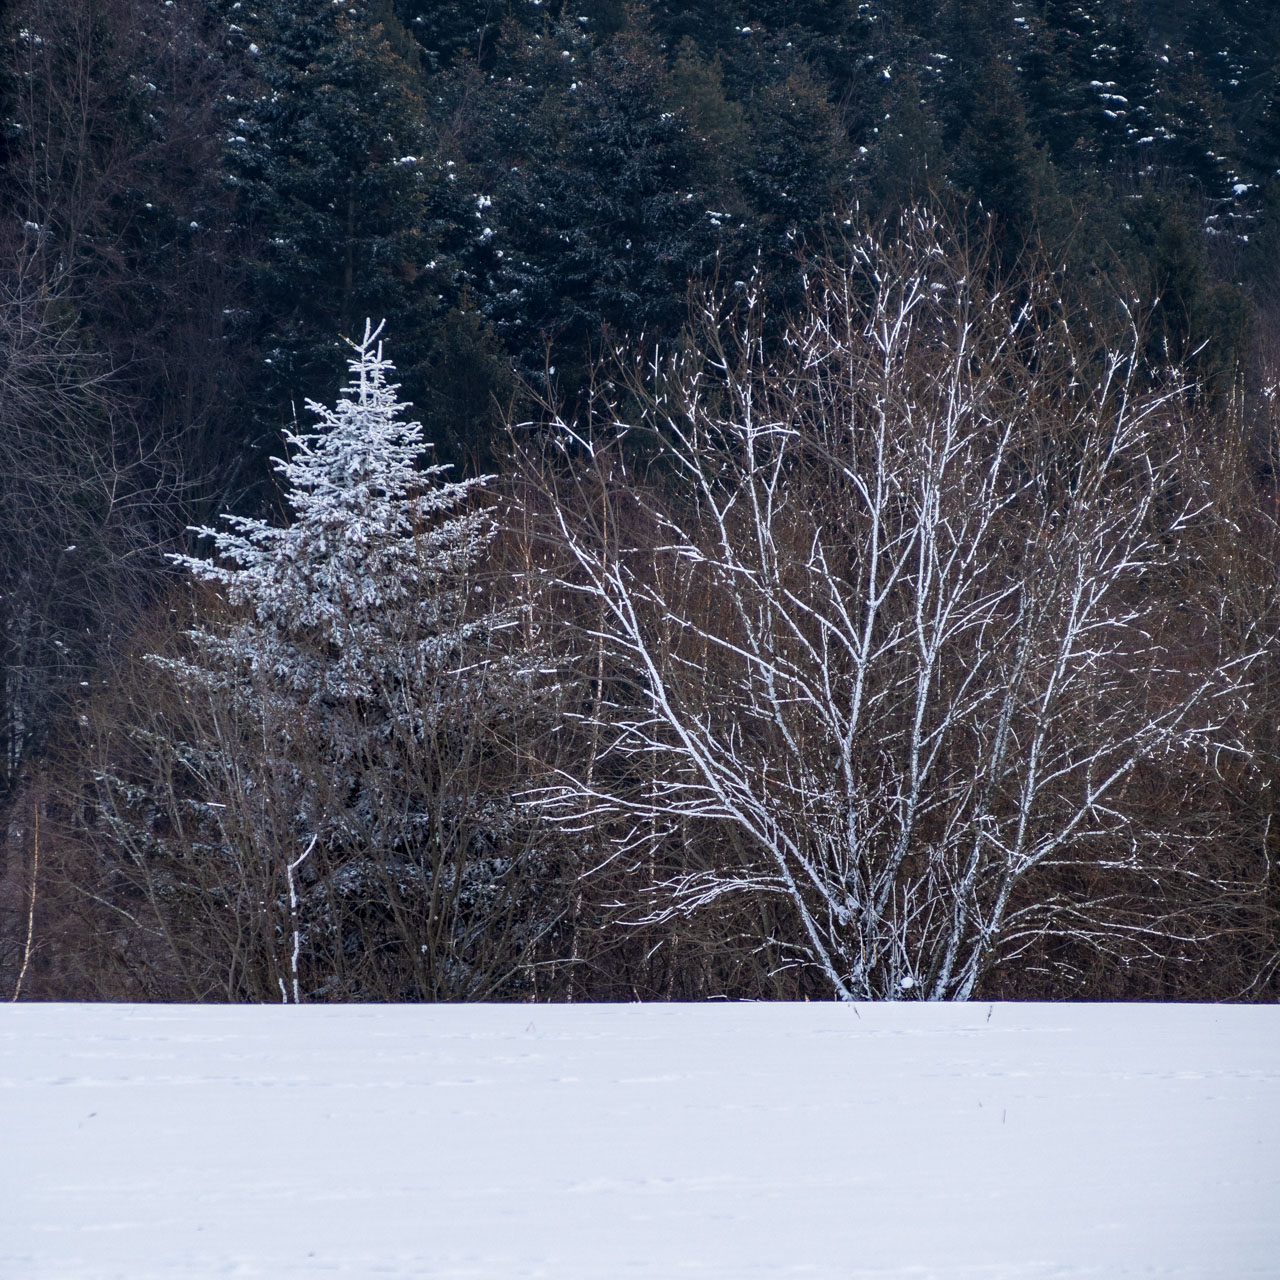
[[889, 632]]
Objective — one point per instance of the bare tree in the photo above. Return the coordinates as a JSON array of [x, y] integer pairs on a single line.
[[79, 503], [892, 640], [79, 493], [109, 353]]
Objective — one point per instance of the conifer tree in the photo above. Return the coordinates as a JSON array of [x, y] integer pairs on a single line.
[[327, 157], [797, 167], [317, 597], [600, 209], [344, 797]]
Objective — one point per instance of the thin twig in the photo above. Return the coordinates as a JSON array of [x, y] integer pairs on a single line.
[[31, 909]]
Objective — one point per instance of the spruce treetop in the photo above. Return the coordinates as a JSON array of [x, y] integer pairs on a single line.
[[374, 538]]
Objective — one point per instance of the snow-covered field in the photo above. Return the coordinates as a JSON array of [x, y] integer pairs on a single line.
[[649, 1141]]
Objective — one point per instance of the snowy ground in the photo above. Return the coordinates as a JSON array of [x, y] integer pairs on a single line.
[[1017, 1142]]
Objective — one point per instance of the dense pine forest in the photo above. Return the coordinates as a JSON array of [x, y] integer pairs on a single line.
[[728, 499]]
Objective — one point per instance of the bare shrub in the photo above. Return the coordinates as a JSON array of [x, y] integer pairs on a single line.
[[887, 622]]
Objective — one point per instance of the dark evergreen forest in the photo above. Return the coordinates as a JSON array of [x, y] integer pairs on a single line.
[[201, 200]]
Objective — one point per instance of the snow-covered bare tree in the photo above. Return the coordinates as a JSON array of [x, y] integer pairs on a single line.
[[333, 795], [894, 633]]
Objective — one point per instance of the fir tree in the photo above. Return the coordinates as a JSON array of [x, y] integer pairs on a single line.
[[328, 160], [798, 169], [372, 537], [600, 209], [357, 667]]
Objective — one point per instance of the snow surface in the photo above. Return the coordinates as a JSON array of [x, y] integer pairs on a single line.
[[1006, 1142]]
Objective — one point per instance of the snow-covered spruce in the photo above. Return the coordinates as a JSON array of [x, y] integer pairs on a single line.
[[372, 536], [340, 773]]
